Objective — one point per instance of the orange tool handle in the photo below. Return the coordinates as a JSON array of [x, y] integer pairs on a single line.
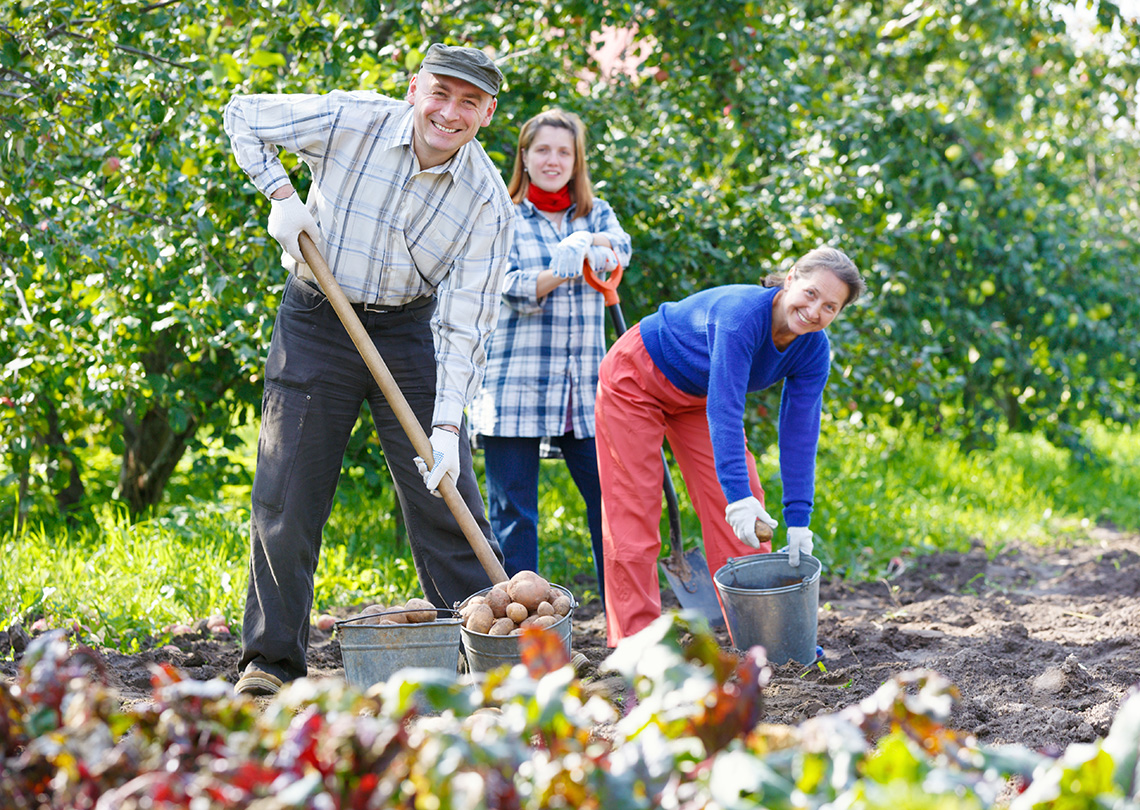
[[607, 288]]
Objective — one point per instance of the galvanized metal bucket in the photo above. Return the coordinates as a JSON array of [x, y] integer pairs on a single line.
[[373, 653], [485, 653], [769, 603]]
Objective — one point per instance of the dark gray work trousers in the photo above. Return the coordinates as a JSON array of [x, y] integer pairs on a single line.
[[315, 383]]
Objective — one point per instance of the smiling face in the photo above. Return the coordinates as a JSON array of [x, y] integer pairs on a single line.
[[549, 161], [809, 302], [448, 113]]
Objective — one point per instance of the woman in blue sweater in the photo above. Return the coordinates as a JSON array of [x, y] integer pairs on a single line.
[[682, 374]]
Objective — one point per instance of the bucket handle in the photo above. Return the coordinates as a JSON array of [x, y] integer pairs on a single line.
[[573, 599], [803, 583], [454, 614]]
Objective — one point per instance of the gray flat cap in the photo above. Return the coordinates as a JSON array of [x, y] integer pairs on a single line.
[[469, 64]]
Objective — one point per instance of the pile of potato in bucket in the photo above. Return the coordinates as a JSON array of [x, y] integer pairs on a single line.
[[414, 611], [507, 608]]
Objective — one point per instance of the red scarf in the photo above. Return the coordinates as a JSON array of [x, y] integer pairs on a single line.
[[549, 200]]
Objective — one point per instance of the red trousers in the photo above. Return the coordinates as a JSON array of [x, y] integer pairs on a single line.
[[637, 408]]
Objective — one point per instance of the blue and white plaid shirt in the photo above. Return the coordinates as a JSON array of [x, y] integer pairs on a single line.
[[544, 349], [390, 231]]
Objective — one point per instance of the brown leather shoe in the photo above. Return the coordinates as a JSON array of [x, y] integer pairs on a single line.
[[258, 683]]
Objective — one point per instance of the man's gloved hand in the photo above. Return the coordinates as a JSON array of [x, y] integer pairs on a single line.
[[288, 217], [602, 258], [742, 516], [799, 542], [445, 457], [568, 255]]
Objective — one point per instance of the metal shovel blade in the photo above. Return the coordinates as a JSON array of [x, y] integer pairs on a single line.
[[687, 570], [691, 581]]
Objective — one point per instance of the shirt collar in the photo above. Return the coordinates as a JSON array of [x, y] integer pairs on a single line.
[[401, 136]]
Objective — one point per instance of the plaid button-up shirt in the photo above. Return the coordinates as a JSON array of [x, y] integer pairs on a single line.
[[545, 348], [391, 232]]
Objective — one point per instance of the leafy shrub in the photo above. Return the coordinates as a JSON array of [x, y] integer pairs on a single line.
[[532, 737]]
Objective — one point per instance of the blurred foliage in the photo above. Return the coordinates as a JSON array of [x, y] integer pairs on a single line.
[[975, 158], [688, 737]]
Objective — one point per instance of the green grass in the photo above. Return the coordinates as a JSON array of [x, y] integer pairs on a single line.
[[881, 492]]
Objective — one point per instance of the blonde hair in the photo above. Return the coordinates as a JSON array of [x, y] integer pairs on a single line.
[[824, 258], [581, 190]]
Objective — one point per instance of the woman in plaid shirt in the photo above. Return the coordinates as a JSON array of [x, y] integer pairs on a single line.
[[543, 357]]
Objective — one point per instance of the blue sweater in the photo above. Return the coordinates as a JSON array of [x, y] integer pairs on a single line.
[[718, 344]]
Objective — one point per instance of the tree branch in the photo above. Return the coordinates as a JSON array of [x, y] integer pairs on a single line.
[[151, 56], [116, 206], [22, 77]]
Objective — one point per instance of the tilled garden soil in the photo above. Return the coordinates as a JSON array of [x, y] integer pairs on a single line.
[[1041, 643]]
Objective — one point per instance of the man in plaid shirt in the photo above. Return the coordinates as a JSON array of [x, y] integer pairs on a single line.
[[415, 223]]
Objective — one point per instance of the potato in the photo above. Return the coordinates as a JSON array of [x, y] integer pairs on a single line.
[[501, 627], [373, 609], [528, 621], [498, 600], [480, 619], [544, 609], [561, 604], [395, 615], [527, 593], [544, 621], [516, 612], [420, 611]]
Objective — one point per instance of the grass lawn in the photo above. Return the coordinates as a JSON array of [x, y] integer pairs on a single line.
[[881, 492]]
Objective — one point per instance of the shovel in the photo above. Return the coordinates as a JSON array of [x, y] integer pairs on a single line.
[[400, 407], [687, 571]]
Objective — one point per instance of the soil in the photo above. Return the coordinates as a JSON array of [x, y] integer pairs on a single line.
[[1042, 643]]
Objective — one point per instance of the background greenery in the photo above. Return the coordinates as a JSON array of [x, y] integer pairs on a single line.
[[975, 158]]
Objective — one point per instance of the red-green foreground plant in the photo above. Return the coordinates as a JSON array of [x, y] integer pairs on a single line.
[[535, 737]]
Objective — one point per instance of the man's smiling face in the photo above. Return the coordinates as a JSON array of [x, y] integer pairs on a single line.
[[448, 113]]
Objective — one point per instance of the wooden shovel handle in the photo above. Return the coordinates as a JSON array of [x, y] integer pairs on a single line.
[[400, 407]]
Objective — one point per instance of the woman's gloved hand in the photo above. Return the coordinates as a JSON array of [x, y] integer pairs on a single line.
[[799, 542], [602, 258], [568, 255], [742, 516]]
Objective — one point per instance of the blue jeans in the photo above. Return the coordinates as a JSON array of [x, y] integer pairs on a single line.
[[315, 382], [512, 496]]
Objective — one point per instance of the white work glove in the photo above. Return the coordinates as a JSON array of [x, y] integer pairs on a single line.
[[445, 457], [287, 219], [602, 258], [742, 516], [567, 257], [799, 542]]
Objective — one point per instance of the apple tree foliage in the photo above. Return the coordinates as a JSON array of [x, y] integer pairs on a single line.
[[975, 159]]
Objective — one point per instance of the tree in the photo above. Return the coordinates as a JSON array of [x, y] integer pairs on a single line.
[[972, 157]]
